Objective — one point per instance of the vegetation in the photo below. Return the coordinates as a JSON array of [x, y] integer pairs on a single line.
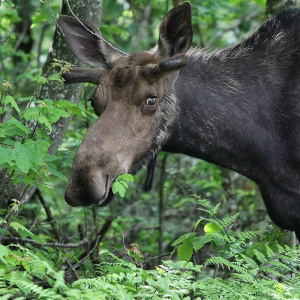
[[168, 243]]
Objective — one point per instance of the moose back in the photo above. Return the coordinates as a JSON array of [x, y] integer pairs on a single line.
[[237, 107]]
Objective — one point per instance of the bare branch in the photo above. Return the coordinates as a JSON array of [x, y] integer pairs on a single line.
[[54, 245]]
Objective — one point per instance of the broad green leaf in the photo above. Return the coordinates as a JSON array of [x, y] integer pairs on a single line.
[[199, 242], [45, 121], [31, 113], [7, 155], [3, 252], [10, 100], [124, 183], [30, 154], [126, 177], [118, 187], [211, 228], [14, 127], [185, 250], [21, 230], [24, 232], [183, 237], [40, 79], [53, 170], [72, 108]]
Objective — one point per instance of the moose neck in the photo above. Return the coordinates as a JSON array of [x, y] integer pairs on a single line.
[[225, 111]]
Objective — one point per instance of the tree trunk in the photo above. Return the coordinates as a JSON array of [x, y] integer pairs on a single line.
[[88, 10]]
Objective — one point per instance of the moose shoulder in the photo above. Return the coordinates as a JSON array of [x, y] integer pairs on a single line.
[[238, 108]]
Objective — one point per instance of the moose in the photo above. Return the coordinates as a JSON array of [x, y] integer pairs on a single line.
[[238, 107]]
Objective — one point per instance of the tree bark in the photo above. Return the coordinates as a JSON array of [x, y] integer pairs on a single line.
[[88, 10]]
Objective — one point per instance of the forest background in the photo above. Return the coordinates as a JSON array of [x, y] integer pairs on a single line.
[[200, 232]]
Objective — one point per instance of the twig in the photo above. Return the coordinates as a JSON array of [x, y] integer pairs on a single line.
[[50, 218], [88, 254], [155, 257], [54, 245]]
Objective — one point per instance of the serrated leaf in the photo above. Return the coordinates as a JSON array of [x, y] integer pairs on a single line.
[[14, 127], [7, 155], [24, 232], [185, 250], [211, 228], [30, 154], [31, 113], [45, 121], [20, 229], [40, 79], [72, 108], [10, 100]]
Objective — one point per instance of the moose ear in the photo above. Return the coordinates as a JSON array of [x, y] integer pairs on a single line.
[[87, 43], [175, 31]]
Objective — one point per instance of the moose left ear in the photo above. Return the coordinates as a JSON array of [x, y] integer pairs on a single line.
[[175, 31], [87, 43]]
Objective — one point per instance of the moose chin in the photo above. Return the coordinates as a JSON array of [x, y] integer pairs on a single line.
[[237, 107]]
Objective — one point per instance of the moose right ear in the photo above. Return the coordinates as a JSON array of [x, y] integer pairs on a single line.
[[175, 31], [87, 43]]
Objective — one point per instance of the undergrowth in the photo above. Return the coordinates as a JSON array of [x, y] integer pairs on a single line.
[[245, 265]]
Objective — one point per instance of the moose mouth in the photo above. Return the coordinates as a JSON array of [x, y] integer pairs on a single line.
[[108, 194], [85, 193]]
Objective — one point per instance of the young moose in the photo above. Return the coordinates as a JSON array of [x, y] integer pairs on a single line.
[[238, 108]]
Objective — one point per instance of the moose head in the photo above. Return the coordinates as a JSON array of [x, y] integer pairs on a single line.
[[133, 99]]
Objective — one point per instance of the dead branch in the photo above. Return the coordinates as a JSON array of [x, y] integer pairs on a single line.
[[11, 239]]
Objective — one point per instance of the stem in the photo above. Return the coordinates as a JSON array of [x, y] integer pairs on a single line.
[[161, 204]]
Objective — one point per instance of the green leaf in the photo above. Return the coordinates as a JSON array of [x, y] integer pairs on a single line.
[[10, 100], [126, 177], [211, 228], [183, 237], [185, 250], [199, 242], [30, 154], [24, 232], [118, 187], [21, 230], [72, 108], [53, 170], [14, 127], [40, 79], [7, 155], [3, 252], [31, 113], [45, 121]]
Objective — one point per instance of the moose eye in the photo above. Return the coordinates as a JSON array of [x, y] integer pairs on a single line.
[[151, 101]]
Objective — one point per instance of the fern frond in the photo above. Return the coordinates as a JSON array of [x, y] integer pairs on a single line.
[[272, 271], [249, 235], [219, 261], [227, 221], [260, 256], [249, 261]]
